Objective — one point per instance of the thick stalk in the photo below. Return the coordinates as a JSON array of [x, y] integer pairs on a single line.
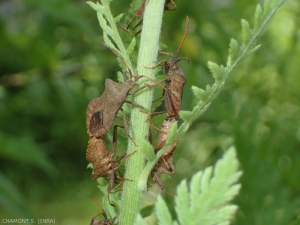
[[132, 193]]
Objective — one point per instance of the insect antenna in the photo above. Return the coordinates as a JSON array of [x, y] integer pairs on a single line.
[[184, 36]]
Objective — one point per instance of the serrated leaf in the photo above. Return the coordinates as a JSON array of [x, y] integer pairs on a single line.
[[162, 212], [110, 31], [118, 18], [217, 216], [216, 70], [97, 7], [108, 42], [182, 203], [246, 31], [233, 51], [207, 203], [147, 150], [267, 7], [131, 46], [139, 220], [257, 17], [195, 187], [199, 93], [185, 115]]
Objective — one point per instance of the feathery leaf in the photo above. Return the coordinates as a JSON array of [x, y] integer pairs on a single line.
[[257, 18], [162, 212], [139, 220], [199, 93], [207, 200], [246, 31]]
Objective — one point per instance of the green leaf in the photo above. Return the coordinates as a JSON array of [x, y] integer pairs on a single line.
[[108, 42], [172, 133], [208, 201], [139, 220], [182, 203], [118, 18], [186, 115], [257, 17], [111, 34], [90, 166], [147, 150], [131, 46], [216, 70], [147, 211], [267, 7], [97, 7], [208, 88], [246, 31], [233, 51], [216, 191], [199, 93], [162, 212], [237, 53]]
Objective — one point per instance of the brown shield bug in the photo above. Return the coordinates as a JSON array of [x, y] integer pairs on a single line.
[[164, 165], [102, 111], [104, 165], [175, 80]]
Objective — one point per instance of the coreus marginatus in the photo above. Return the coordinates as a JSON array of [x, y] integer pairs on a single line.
[[164, 165], [104, 165], [102, 111], [95, 221], [175, 80]]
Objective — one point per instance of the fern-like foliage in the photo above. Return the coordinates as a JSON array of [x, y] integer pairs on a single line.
[[111, 34], [206, 199], [237, 53]]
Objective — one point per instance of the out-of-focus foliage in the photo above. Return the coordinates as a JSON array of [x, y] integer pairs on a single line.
[[53, 61], [206, 199]]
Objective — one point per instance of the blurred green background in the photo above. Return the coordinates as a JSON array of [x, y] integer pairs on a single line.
[[53, 62]]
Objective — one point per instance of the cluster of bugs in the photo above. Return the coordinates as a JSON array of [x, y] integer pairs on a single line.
[[102, 111], [100, 115], [175, 81]]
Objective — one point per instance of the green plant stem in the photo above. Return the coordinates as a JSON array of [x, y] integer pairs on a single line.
[[132, 192]]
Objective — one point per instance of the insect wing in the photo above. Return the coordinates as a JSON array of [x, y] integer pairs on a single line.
[[96, 122]]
